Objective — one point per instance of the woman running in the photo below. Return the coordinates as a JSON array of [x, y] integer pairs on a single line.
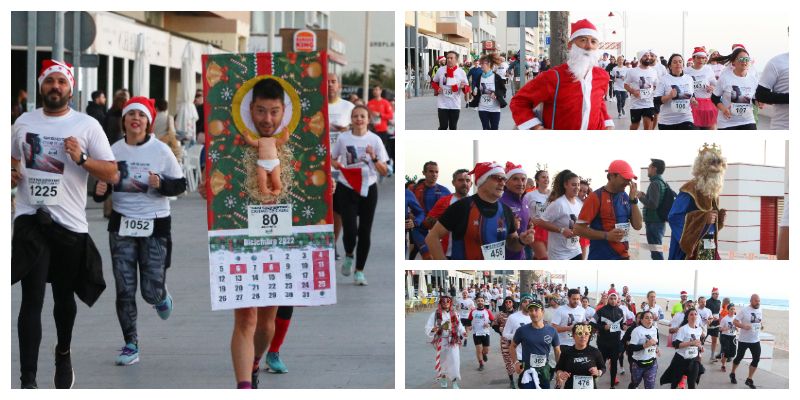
[[734, 95], [506, 309], [686, 361], [704, 113], [644, 347], [618, 75], [560, 216], [490, 95], [676, 92]]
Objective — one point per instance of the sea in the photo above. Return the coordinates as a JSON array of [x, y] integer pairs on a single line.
[[769, 304]]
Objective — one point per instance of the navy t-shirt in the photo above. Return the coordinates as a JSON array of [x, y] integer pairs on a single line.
[[535, 341]]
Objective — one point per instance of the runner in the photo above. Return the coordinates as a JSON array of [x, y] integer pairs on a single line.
[[499, 325], [678, 307], [704, 318], [618, 76], [568, 315], [448, 85], [734, 95], [445, 331], [610, 323], [640, 82], [537, 204], [686, 361], [590, 312], [482, 227], [428, 192], [513, 198], [675, 91], [644, 345], [749, 321], [381, 113], [465, 305], [727, 339], [704, 113], [140, 223], [50, 241], [608, 214], [560, 216], [358, 153], [462, 183], [582, 195], [580, 365], [514, 322], [536, 339], [489, 95], [480, 319], [651, 306]]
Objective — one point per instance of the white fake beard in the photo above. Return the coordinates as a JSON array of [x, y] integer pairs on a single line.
[[580, 61]]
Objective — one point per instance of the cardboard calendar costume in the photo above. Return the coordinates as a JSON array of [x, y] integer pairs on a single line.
[[265, 249]]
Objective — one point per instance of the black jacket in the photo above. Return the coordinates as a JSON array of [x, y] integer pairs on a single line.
[[499, 91], [97, 112]]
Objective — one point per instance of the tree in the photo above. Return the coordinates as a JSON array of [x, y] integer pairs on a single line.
[[526, 278], [559, 37]]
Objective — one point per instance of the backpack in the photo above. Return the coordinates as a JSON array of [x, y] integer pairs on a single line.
[[666, 203]]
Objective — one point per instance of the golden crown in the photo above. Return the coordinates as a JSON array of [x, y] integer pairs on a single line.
[[712, 148]]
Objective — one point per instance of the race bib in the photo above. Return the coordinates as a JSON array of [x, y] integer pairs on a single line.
[[494, 251], [135, 227], [582, 382], [741, 109], [645, 93], [625, 226], [615, 327], [650, 351], [699, 85], [573, 241], [486, 99], [755, 327], [44, 191], [680, 106], [538, 360], [709, 244], [269, 220], [692, 352]]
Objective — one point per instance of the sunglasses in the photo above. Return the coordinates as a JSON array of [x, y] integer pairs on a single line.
[[743, 59], [498, 178]]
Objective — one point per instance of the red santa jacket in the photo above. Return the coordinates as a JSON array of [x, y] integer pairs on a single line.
[[570, 106]]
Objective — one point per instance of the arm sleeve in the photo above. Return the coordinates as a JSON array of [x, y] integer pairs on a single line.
[[765, 95], [491, 316], [416, 210], [173, 182], [528, 97], [387, 112], [599, 361], [507, 330]]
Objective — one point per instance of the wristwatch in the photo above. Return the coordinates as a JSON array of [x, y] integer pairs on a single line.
[[83, 158], [374, 160], [635, 201]]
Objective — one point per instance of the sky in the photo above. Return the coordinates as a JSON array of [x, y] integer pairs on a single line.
[[569, 150]]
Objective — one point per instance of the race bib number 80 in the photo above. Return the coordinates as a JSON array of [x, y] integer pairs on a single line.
[[269, 220]]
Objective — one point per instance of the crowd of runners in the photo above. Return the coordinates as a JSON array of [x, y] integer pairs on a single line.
[[552, 336]]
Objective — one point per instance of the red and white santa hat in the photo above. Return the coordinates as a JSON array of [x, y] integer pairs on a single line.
[[484, 170], [699, 52], [583, 28], [440, 58], [143, 104], [53, 66], [512, 170], [737, 46]]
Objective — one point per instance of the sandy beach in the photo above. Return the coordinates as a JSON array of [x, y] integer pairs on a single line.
[[776, 322]]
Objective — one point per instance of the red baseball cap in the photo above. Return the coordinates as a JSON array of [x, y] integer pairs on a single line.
[[622, 168]]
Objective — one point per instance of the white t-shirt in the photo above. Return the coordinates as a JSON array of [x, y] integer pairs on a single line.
[[726, 326], [479, 319], [701, 79], [486, 89], [646, 81], [562, 214], [737, 94], [656, 310], [590, 312], [677, 320], [679, 109], [463, 306], [776, 78], [537, 203], [37, 141], [618, 74], [687, 334], [502, 69], [513, 323], [133, 197], [447, 98], [351, 151], [566, 316], [752, 316], [603, 63], [641, 335], [702, 316], [661, 70], [339, 114]]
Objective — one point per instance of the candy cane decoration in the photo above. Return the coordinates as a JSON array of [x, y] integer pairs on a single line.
[[438, 357]]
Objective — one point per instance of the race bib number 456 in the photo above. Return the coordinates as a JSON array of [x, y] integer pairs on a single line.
[[494, 251]]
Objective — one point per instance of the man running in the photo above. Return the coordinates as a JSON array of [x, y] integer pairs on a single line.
[[428, 192], [61, 148], [714, 304], [567, 315], [513, 199], [658, 313], [462, 183], [704, 318], [480, 319], [536, 339], [641, 83], [514, 322], [464, 306], [450, 85], [482, 227], [609, 213], [679, 306], [749, 321], [610, 322]]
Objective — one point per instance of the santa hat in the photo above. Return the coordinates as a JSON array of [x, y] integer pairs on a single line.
[[683, 293], [737, 46], [699, 52], [714, 290], [357, 178], [484, 170], [512, 170], [143, 104], [440, 58], [53, 66], [583, 28], [641, 53]]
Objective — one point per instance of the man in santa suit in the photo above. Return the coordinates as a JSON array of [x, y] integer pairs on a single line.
[[572, 93], [448, 84]]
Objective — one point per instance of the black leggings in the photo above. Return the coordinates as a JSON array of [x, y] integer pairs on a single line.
[[285, 312], [690, 368], [682, 126], [755, 351], [448, 119], [357, 214], [611, 352]]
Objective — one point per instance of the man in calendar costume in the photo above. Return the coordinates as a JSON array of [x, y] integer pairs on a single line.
[[445, 331], [696, 218]]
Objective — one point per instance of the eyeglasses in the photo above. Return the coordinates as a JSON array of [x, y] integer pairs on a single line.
[[583, 330], [743, 59]]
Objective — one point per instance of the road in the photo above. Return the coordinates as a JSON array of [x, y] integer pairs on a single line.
[[326, 347]]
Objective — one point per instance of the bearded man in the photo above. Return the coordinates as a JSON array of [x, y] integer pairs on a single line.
[[571, 93], [695, 218]]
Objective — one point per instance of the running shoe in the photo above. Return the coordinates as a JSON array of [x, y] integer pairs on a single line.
[[733, 377], [622, 371], [485, 357], [128, 355], [359, 278], [275, 364], [682, 385], [164, 309], [64, 376], [455, 385], [480, 367], [347, 265], [722, 369], [254, 378], [29, 385], [749, 383], [443, 382], [616, 382]]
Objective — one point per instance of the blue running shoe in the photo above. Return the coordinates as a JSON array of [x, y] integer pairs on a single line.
[[347, 265], [128, 355], [275, 364], [164, 309], [360, 280]]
